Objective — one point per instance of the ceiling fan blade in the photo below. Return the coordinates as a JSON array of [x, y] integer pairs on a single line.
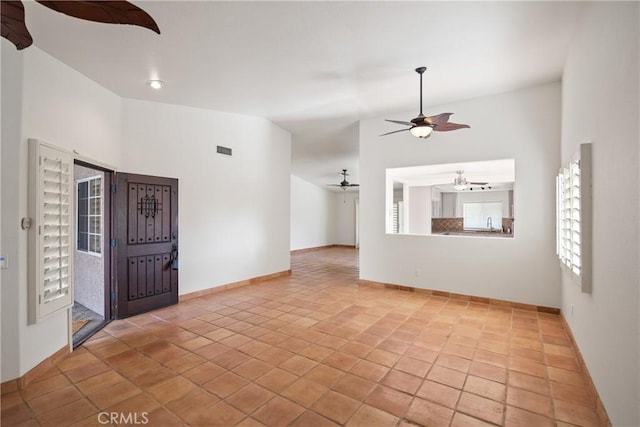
[[395, 131], [450, 126], [399, 122], [109, 12], [13, 27], [352, 185], [438, 120]]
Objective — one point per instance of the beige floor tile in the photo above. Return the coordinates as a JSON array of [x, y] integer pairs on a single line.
[[336, 406], [314, 349], [278, 412], [428, 413], [367, 416], [389, 400]]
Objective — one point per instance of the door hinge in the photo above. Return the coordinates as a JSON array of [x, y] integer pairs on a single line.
[[113, 243], [114, 188], [113, 296]]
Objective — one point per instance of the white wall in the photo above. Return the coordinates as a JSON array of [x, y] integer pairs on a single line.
[[233, 211], [312, 219], [600, 105], [9, 194], [320, 217], [64, 108], [418, 206], [522, 269], [449, 205]]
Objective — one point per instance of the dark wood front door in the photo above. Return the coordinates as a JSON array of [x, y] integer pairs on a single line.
[[146, 231]]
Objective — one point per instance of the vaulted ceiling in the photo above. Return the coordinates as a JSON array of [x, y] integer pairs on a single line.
[[316, 68]]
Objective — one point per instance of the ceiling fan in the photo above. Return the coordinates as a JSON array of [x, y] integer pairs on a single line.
[[461, 183], [344, 184], [15, 30], [421, 126]]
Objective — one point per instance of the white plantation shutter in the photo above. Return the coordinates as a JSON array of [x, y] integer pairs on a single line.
[[51, 235], [573, 209], [569, 202], [396, 224]]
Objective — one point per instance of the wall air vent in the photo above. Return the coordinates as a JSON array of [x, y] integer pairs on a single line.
[[224, 150]]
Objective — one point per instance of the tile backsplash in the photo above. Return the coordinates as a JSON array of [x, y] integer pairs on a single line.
[[440, 225], [446, 224]]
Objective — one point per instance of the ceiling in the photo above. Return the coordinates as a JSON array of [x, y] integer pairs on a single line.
[[316, 68]]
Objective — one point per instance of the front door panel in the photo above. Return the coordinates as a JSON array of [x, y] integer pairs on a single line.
[[146, 224]]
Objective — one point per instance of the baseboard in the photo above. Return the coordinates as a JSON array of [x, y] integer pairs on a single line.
[[319, 248], [36, 372], [462, 297], [601, 412], [221, 288]]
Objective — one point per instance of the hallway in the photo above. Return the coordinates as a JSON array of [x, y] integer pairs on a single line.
[[317, 349]]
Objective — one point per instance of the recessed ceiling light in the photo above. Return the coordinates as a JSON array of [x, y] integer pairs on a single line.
[[156, 84]]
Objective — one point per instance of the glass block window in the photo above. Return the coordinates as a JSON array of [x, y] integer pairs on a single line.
[[89, 217]]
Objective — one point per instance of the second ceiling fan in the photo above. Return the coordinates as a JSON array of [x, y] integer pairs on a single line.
[[344, 184], [422, 126], [461, 183]]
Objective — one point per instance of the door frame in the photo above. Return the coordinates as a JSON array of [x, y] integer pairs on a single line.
[[357, 223], [107, 234]]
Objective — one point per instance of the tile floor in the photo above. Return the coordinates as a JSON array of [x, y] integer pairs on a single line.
[[316, 349]]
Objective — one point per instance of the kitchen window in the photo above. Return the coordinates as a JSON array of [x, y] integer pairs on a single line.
[[482, 215]]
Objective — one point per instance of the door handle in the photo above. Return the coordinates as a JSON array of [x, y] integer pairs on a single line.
[[174, 257]]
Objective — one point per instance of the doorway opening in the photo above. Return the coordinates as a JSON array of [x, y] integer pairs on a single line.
[[92, 251]]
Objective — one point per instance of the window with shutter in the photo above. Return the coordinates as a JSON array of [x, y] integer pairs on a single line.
[[573, 221], [51, 235]]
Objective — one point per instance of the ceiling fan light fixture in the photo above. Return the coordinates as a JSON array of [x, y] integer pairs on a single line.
[[460, 182], [155, 84], [344, 184], [422, 132], [421, 127]]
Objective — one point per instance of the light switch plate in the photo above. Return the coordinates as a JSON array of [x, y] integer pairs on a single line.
[[4, 261]]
